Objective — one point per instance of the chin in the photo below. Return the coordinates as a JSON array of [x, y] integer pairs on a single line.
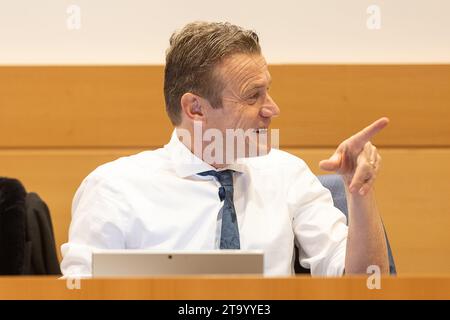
[[252, 143]]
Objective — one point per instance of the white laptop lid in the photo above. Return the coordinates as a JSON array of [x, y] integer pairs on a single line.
[[150, 263]]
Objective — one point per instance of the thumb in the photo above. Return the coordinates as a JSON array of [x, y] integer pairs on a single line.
[[332, 164]]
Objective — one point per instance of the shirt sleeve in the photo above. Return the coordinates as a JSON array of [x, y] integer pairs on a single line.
[[98, 222], [320, 228]]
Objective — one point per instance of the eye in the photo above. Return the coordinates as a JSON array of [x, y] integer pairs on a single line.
[[253, 98]]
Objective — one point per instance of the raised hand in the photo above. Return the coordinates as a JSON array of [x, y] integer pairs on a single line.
[[357, 160]]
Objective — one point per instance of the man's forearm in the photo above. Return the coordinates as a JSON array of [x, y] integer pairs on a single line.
[[357, 160], [366, 242]]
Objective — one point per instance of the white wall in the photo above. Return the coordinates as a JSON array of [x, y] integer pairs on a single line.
[[291, 31]]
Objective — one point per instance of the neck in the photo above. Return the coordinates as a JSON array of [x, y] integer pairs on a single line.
[[197, 146]]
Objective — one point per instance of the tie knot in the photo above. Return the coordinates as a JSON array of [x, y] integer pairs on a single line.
[[224, 177]]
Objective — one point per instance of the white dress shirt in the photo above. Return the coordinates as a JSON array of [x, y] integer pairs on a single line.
[[155, 200]]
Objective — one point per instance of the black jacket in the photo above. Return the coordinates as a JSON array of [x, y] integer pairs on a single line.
[[27, 243]]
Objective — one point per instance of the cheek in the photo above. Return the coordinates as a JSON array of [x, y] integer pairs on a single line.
[[250, 114], [240, 116], [242, 120], [215, 118], [234, 116]]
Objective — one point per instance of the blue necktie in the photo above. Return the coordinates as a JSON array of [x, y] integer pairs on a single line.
[[229, 235]]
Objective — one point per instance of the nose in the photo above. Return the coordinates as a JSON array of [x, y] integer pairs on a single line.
[[270, 108]]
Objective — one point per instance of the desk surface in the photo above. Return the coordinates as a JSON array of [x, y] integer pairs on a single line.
[[210, 287]]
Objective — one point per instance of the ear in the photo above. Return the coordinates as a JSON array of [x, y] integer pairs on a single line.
[[192, 107]]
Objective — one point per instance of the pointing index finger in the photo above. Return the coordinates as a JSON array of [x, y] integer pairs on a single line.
[[364, 136]]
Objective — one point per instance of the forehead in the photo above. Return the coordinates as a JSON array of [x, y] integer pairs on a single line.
[[244, 71]]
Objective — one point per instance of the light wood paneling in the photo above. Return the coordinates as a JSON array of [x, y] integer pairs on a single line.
[[82, 106], [225, 288], [59, 123], [412, 193], [320, 105]]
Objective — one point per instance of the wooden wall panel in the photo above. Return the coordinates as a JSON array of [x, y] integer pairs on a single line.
[[320, 105], [82, 106], [412, 193], [59, 123]]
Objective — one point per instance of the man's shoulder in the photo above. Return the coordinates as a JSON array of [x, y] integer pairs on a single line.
[[277, 159], [284, 156], [139, 164]]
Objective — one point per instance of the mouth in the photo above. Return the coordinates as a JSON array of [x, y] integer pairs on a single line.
[[260, 130]]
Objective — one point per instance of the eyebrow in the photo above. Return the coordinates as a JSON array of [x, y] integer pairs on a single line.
[[258, 85]]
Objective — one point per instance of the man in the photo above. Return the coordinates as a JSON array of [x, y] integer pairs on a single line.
[[190, 196]]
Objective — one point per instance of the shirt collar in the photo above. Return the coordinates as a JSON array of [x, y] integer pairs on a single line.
[[187, 163]]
